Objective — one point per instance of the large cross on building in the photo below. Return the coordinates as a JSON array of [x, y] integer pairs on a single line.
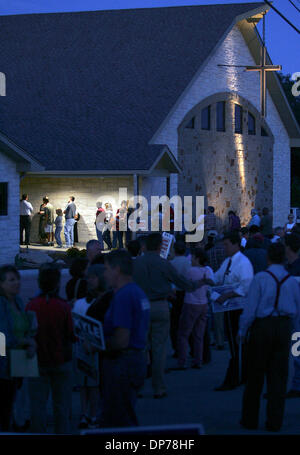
[[263, 68]]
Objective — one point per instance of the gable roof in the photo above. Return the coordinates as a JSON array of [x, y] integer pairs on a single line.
[[24, 161], [88, 90]]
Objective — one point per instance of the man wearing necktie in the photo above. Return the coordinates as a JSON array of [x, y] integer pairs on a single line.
[[236, 274]]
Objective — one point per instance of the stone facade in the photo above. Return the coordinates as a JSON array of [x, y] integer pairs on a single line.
[[9, 225], [238, 167], [213, 80], [86, 190]]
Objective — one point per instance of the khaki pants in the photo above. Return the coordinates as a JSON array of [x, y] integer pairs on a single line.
[[158, 339]]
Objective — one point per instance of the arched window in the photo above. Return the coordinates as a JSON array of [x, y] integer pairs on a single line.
[[251, 124], [205, 118], [263, 132], [221, 116], [238, 119]]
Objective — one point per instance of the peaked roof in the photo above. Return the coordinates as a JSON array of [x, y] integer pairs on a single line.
[[88, 90], [23, 160]]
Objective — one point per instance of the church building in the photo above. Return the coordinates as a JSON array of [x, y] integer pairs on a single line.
[[158, 101]]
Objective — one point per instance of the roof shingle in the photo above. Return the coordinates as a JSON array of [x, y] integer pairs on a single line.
[[88, 90]]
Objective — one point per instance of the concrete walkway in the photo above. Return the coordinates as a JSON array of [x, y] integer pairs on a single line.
[[191, 399]]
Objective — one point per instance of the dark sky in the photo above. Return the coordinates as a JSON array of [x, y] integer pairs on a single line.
[[282, 41]]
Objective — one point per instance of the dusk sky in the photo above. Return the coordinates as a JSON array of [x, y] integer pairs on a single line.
[[282, 41]]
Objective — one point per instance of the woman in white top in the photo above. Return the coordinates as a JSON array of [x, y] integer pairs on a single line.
[[289, 225], [89, 392]]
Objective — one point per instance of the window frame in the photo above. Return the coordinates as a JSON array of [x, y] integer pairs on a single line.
[[251, 132], [208, 110]]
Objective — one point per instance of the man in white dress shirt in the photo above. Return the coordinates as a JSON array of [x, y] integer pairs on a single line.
[[255, 220], [273, 303], [26, 211], [237, 272]]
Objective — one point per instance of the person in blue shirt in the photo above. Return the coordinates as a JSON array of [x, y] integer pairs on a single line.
[[126, 327]]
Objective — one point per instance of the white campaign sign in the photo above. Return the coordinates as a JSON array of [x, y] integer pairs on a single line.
[[167, 240], [89, 329]]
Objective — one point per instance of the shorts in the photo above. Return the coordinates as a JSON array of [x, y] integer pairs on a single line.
[[48, 228]]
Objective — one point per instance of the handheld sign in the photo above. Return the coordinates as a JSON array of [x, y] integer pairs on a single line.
[[89, 329], [167, 240]]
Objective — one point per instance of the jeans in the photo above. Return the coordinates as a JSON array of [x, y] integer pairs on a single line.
[[123, 377], [69, 231], [100, 238], [106, 238], [59, 380], [117, 237], [58, 230]]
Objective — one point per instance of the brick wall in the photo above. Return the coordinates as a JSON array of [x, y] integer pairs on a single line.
[[238, 167], [87, 191], [212, 80], [9, 225]]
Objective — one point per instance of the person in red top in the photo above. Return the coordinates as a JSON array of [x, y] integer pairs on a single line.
[[121, 225], [54, 339]]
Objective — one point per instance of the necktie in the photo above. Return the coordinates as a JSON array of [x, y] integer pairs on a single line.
[[227, 270]]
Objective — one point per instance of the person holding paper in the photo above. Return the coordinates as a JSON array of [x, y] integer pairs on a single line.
[[237, 272], [18, 328]]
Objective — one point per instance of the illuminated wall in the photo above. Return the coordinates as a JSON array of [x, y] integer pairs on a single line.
[[234, 171], [213, 79]]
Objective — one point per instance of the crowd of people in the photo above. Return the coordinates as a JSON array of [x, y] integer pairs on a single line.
[[237, 286], [50, 222]]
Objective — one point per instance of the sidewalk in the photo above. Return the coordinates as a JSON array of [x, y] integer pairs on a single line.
[[191, 399]]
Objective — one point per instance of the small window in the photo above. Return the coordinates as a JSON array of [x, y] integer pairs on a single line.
[[251, 124], [205, 118], [3, 198], [238, 119], [191, 124], [263, 132], [221, 116]]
